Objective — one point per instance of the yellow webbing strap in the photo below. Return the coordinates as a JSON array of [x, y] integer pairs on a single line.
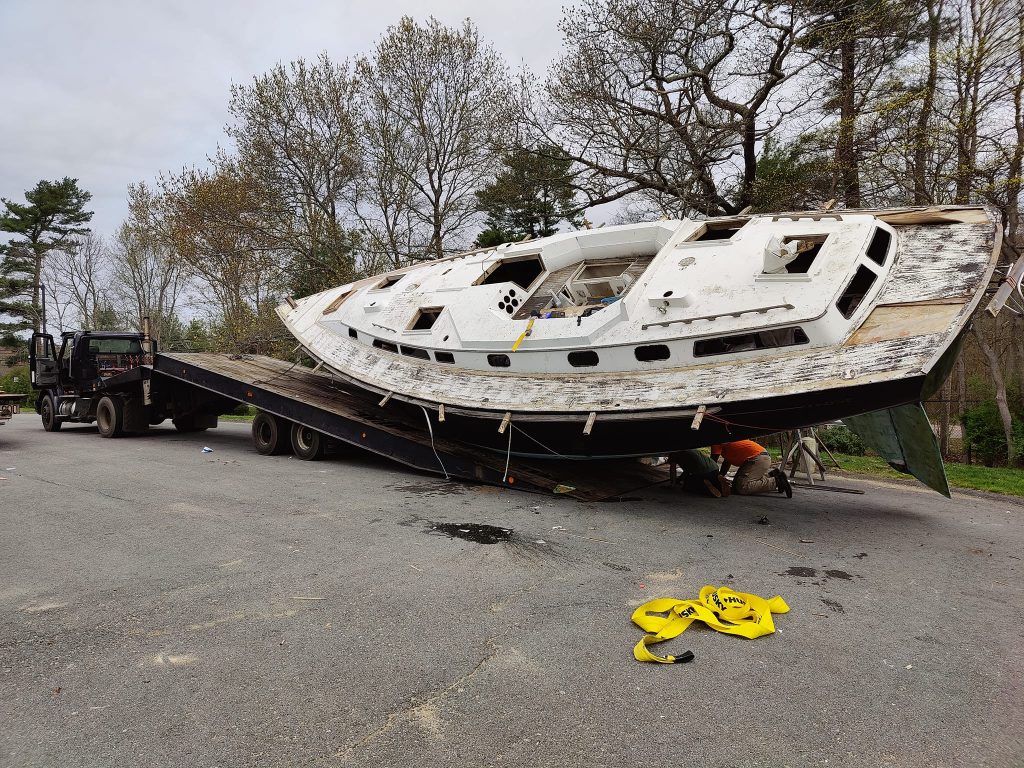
[[722, 609], [524, 334]]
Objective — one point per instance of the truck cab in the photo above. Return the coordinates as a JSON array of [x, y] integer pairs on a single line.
[[104, 377]]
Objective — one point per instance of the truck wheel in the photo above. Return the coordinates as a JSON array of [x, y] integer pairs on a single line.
[[48, 411], [270, 434], [110, 416], [308, 444]]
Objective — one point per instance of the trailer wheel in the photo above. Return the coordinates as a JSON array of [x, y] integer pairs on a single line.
[[270, 434], [308, 444], [48, 411], [110, 416]]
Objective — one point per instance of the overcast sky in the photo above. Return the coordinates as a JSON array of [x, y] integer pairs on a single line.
[[113, 92]]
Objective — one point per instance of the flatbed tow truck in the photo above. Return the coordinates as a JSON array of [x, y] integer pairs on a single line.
[[123, 384]]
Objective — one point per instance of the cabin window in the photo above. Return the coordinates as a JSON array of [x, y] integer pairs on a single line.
[[444, 357], [856, 291], [522, 272], [422, 354], [584, 359], [425, 318], [499, 361], [385, 345], [879, 247], [388, 281], [353, 333], [651, 352], [717, 230], [744, 342]]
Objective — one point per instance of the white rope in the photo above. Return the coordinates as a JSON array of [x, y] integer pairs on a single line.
[[508, 456], [430, 429], [538, 442]]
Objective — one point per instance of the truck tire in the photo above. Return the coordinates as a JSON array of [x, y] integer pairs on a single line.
[[307, 444], [271, 434], [110, 416], [48, 412]]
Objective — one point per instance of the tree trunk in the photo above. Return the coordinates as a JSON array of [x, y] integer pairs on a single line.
[[921, 142], [1000, 386], [846, 150], [944, 421]]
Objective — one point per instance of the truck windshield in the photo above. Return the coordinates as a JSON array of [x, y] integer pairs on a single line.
[[115, 347]]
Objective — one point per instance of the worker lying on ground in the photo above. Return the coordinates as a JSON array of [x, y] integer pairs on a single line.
[[700, 473], [754, 473]]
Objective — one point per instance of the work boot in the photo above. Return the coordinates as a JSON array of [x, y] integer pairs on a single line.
[[724, 485], [712, 488], [782, 483]]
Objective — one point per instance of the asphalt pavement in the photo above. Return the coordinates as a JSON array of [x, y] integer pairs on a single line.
[[161, 606]]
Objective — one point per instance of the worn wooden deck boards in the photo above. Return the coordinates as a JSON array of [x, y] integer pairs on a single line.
[[588, 480]]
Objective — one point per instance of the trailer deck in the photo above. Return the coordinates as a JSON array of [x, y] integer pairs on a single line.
[[399, 431]]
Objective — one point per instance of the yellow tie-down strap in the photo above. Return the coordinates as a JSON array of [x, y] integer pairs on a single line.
[[722, 609]]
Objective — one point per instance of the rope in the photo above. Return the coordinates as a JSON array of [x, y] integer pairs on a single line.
[[508, 456], [430, 429]]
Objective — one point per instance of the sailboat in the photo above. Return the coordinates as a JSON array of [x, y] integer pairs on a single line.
[[643, 339]]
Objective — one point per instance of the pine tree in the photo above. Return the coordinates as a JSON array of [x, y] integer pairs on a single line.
[[54, 212], [528, 198]]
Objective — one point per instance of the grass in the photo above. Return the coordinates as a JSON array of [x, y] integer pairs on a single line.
[[231, 417], [1006, 480]]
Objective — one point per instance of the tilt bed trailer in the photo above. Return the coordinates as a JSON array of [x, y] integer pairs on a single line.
[[124, 385]]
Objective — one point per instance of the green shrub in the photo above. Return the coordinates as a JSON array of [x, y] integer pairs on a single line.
[[842, 439], [243, 410], [983, 433], [17, 380]]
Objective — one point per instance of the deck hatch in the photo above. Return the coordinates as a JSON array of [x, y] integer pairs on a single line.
[[425, 318], [745, 342], [522, 271]]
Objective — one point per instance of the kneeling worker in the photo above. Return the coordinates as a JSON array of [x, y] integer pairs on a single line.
[[754, 473]]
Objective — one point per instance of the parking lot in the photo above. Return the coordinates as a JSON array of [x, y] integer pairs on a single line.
[[161, 606]]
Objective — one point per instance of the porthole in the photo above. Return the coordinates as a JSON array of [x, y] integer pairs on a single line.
[[585, 359], [499, 361], [444, 357], [385, 345], [651, 352], [353, 333], [422, 354], [510, 309]]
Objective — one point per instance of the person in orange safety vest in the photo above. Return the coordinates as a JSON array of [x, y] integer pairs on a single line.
[[754, 472]]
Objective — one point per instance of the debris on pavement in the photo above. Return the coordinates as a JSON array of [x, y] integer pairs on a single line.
[[207, 449]]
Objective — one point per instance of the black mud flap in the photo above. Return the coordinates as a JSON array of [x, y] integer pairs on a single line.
[[903, 436]]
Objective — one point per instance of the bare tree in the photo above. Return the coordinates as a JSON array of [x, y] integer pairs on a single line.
[[78, 277], [211, 221], [146, 278], [295, 128], [436, 102], [671, 100]]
